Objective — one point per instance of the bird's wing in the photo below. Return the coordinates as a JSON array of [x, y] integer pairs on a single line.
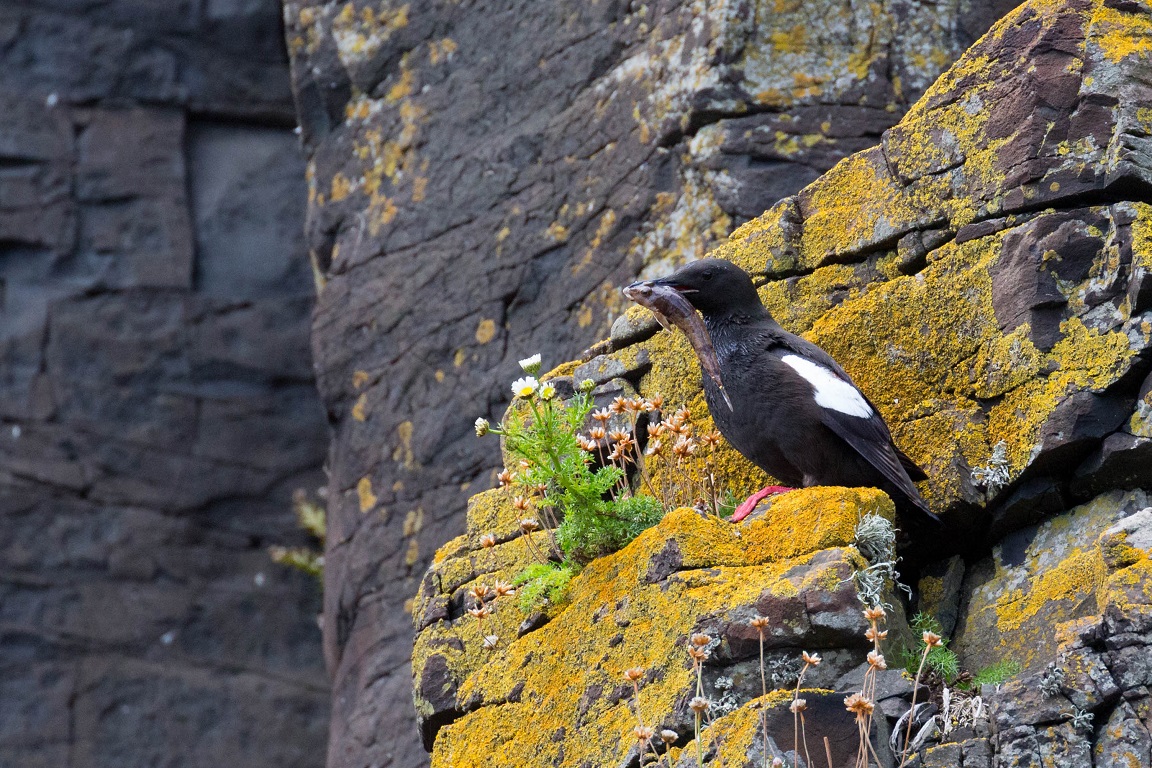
[[849, 414]]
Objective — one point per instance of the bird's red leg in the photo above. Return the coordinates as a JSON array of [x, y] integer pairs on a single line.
[[750, 503]]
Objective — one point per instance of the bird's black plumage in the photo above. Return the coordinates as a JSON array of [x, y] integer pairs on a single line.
[[795, 413]]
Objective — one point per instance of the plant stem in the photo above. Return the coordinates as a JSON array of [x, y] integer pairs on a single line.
[[912, 711]]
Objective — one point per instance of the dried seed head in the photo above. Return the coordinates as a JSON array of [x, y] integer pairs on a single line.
[[618, 405], [657, 401], [876, 660], [699, 705], [931, 639], [760, 622], [644, 733], [529, 524], [480, 592], [859, 704], [597, 433], [525, 465], [634, 405], [655, 430], [700, 639], [684, 447], [505, 478], [654, 448], [811, 658], [875, 634], [491, 641], [633, 674], [683, 413], [503, 588], [520, 503], [875, 613], [480, 611], [616, 453], [541, 488], [668, 737], [712, 439], [797, 706], [488, 540], [585, 443], [699, 655], [602, 415], [617, 435], [777, 763]]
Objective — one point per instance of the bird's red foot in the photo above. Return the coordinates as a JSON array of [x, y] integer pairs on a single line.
[[750, 503]]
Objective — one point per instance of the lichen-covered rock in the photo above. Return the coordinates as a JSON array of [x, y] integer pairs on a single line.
[[1040, 578], [554, 689], [983, 275], [483, 176]]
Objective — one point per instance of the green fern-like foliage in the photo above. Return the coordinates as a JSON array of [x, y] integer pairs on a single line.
[[941, 660]]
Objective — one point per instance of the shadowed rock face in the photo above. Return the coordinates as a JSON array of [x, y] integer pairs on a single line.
[[483, 177], [981, 274], [156, 400]]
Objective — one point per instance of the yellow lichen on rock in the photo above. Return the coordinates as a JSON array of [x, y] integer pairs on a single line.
[[1068, 568], [635, 608]]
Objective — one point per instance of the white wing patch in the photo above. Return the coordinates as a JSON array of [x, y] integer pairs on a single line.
[[830, 390]]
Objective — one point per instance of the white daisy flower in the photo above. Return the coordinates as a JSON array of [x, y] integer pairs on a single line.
[[525, 387]]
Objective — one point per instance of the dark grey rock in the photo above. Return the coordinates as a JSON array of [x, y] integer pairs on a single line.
[[157, 405]]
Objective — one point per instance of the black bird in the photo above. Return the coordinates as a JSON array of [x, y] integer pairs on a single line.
[[790, 408]]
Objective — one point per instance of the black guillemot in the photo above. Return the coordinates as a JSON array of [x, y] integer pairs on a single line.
[[780, 400]]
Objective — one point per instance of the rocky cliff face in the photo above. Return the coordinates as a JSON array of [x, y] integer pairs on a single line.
[[483, 178], [156, 399], [982, 273]]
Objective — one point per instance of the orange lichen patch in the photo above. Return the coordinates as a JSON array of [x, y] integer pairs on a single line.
[[853, 205], [798, 303], [1075, 579], [622, 622], [1087, 360], [492, 512], [360, 408], [485, 330], [364, 493], [1119, 34], [1066, 572]]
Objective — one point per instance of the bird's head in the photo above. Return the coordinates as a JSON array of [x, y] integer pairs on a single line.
[[715, 287]]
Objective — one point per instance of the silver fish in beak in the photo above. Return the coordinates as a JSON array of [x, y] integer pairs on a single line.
[[672, 309]]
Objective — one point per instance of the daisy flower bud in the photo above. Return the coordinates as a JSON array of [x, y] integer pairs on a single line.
[[587, 385], [531, 365], [547, 392]]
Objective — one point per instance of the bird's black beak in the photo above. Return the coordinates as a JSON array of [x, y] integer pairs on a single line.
[[641, 286]]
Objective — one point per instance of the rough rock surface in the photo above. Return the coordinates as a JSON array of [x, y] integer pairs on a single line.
[[565, 704], [492, 171], [156, 399], [982, 274]]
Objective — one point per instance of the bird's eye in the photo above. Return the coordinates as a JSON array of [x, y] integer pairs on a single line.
[[707, 275]]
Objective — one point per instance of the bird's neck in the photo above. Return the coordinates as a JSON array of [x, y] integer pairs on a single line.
[[733, 326]]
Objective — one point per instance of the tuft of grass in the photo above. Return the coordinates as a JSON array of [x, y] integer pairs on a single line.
[[543, 584], [312, 517], [995, 674]]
